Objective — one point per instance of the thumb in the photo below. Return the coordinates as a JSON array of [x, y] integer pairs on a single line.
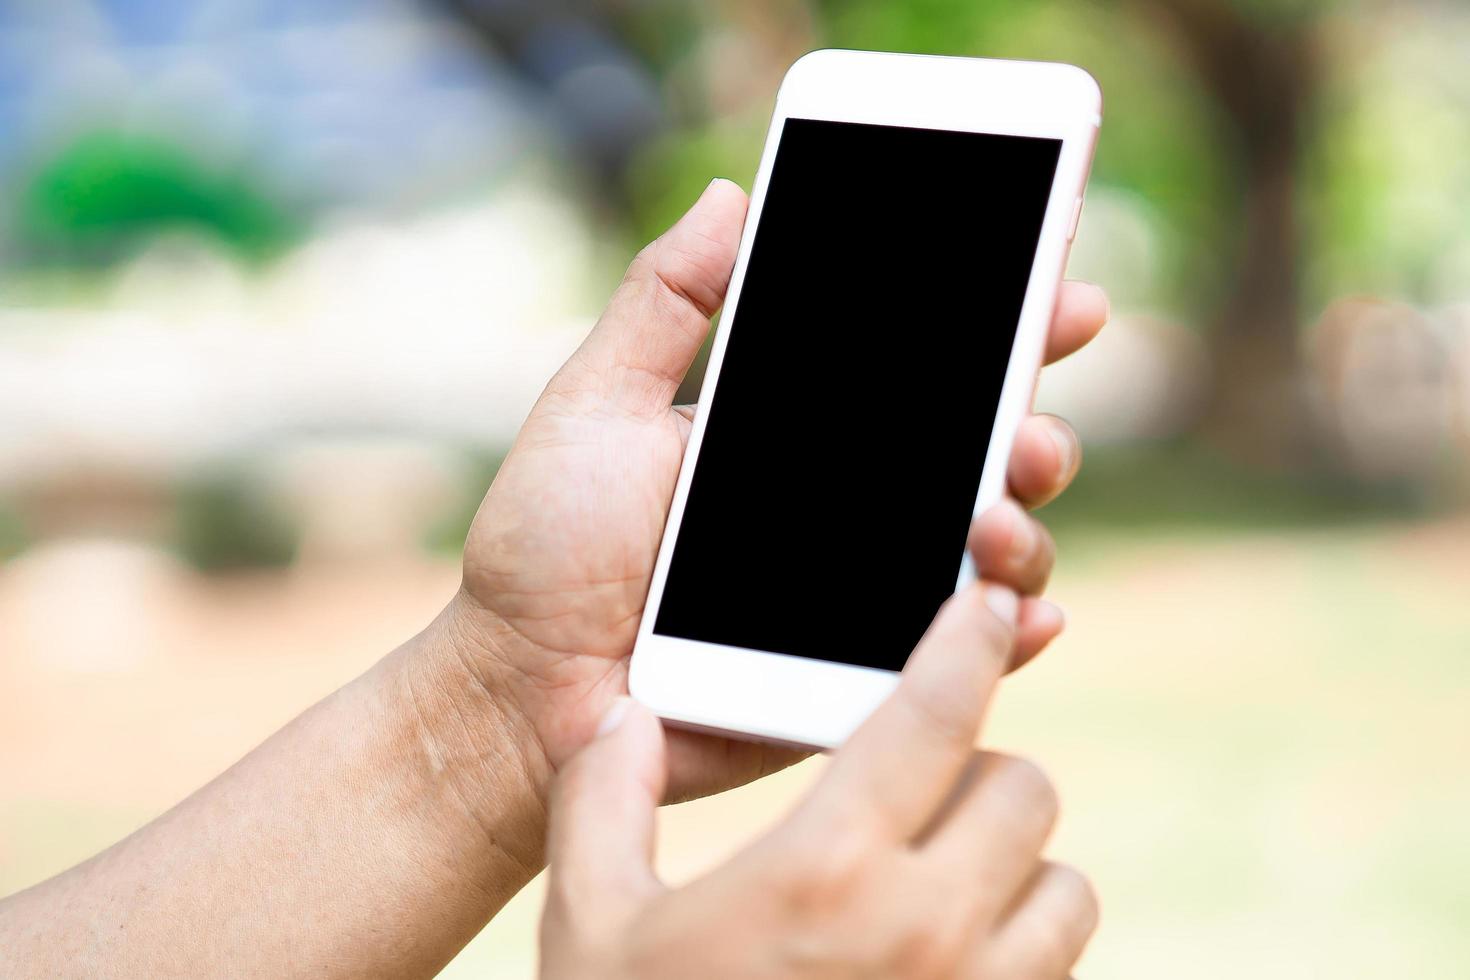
[[652, 329], [602, 816]]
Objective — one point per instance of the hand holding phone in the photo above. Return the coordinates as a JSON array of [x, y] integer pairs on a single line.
[[913, 855], [558, 562]]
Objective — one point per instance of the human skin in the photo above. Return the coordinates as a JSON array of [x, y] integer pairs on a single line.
[[914, 857], [380, 830]]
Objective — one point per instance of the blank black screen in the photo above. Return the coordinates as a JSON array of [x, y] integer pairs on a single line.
[[842, 456]]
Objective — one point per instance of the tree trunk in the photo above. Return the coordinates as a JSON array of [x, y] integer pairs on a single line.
[[605, 99], [1263, 80]]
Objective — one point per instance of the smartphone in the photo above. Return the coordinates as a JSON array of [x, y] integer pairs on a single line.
[[908, 229]]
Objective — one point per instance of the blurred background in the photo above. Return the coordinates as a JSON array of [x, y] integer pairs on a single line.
[[279, 280]]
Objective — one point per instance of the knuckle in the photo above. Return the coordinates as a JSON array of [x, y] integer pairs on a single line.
[[681, 275], [640, 278], [923, 950], [567, 916], [1046, 545], [1049, 944], [825, 882], [1044, 559], [675, 262], [1056, 936], [1027, 793], [947, 709], [645, 261]]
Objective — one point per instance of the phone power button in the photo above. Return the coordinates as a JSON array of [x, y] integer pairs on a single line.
[[1076, 217]]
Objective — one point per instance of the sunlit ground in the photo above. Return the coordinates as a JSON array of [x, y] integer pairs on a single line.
[[1261, 739]]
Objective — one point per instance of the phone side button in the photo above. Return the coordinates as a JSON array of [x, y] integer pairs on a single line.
[[1076, 217]]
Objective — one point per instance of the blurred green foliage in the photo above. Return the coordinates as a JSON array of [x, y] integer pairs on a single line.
[[447, 536], [1394, 149], [925, 26], [13, 535], [223, 523], [107, 193], [1154, 145], [672, 171], [1186, 487], [1372, 181]]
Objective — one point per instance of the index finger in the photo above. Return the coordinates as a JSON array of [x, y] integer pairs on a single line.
[[897, 770]]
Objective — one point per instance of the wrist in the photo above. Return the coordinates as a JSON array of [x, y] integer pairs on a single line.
[[472, 738]]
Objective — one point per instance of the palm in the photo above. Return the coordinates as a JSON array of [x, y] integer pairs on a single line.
[[587, 498], [584, 494], [562, 551], [585, 491]]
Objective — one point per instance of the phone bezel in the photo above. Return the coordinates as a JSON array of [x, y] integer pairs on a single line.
[[816, 703]]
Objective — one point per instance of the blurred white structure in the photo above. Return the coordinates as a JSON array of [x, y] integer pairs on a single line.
[[361, 500], [94, 606], [446, 326], [1389, 382], [440, 330], [1143, 378]]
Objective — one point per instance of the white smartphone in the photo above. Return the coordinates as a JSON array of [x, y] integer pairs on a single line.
[[907, 233]]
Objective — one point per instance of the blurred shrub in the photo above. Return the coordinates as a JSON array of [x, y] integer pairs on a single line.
[[223, 522], [927, 26], [13, 536], [447, 536], [106, 194], [1183, 485]]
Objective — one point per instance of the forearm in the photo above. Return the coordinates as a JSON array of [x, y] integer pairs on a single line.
[[373, 836]]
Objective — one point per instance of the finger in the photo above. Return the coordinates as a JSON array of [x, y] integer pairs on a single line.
[[1040, 622], [993, 827], [601, 837], [1045, 932], [1044, 460], [647, 337], [1082, 310], [1013, 548], [701, 764], [901, 764]]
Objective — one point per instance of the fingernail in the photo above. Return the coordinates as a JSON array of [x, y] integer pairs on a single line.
[[1066, 446], [1023, 536], [1003, 602], [614, 716]]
